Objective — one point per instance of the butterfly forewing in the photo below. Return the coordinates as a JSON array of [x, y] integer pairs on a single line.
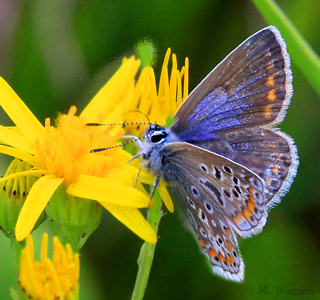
[[251, 87], [231, 111]]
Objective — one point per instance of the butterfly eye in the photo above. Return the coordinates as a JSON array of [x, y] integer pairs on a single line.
[[158, 136]]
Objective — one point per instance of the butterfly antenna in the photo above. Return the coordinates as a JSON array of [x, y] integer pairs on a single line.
[[136, 110], [124, 123], [136, 139], [121, 124]]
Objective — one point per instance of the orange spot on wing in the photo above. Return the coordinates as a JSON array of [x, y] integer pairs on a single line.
[[272, 95], [227, 230], [221, 257], [246, 213], [275, 170], [250, 206], [231, 258], [268, 181], [278, 156], [270, 68], [270, 81], [229, 245], [227, 261], [201, 243], [238, 218], [251, 198], [212, 253], [267, 111]]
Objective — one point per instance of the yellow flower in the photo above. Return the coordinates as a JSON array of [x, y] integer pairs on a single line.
[[132, 97], [46, 279], [61, 156], [137, 99]]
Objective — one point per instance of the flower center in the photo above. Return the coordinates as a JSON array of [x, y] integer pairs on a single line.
[[65, 149]]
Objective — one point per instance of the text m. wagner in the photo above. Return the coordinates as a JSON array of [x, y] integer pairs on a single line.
[[284, 290]]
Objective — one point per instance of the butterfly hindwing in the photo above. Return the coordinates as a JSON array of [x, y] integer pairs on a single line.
[[268, 153], [218, 196], [215, 237], [237, 192]]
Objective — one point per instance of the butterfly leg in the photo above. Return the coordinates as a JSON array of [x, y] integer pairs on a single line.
[[154, 186], [135, 139], [137, 178]]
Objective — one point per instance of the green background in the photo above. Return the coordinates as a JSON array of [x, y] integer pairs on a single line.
[[59, 53]]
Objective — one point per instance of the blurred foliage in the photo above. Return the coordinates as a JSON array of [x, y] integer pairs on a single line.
[[59, 53]]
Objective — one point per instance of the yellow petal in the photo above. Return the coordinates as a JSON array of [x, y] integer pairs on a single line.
[[186, 79], [165, 197], [18, 112], [134, 220], [40, 194], [143, 177], [107, 99], [19, 154], [13, 139], [108, 190], [35, 173], [15, 129]]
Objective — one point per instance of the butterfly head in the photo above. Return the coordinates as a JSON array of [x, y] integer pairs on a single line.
[[156, 134], [156, 137]]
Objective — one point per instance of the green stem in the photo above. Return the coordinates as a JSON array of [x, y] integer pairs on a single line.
[[147, 252], [301, 52], [17, 248]]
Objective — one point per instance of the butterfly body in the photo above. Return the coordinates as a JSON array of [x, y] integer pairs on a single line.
[[227, 163]]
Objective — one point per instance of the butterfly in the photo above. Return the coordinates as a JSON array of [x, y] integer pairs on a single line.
[[227, 163]]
